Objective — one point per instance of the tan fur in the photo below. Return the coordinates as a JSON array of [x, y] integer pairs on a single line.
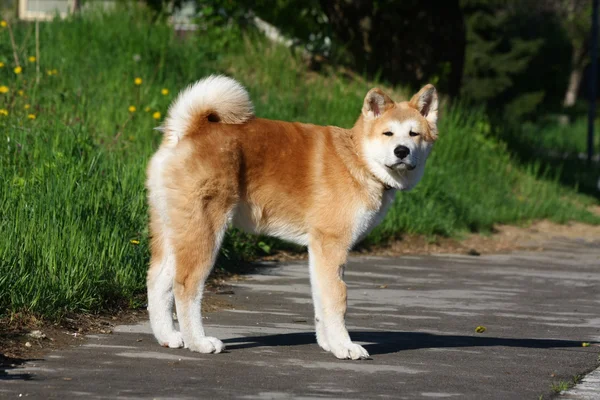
[[308, 180]]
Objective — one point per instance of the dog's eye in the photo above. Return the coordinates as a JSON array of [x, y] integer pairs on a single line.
[[388, 133], [411, 133]]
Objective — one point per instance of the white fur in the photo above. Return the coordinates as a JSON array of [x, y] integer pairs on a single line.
[[160, 302], [216, 93], [156, 187], [379, 154], [338, 338], [366, 220], [160, 279]]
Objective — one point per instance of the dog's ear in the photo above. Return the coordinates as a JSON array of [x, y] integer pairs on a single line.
[[376, 103], [426, 102]]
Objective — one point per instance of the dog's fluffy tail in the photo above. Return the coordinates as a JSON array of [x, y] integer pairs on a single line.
[[215, 98]]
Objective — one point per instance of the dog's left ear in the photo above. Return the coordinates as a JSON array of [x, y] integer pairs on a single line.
[[376, 103], [426, 102]]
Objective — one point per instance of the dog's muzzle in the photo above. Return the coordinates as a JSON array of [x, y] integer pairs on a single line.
[[402, 166]]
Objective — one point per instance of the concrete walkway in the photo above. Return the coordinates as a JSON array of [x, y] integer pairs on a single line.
[[415, 315]]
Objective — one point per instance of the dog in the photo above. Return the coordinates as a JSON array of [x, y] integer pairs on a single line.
[[322, 187]]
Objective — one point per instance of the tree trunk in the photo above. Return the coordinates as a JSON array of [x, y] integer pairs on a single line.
[[577, 66]]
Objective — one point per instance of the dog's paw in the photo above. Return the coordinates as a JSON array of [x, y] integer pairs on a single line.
[[206, 344], [173, 340], [323, 344], [350, 351], [322, 338]]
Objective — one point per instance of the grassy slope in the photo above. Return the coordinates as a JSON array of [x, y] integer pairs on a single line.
[[72, 201]]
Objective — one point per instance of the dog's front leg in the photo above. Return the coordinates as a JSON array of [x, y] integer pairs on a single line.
[[327, 260]]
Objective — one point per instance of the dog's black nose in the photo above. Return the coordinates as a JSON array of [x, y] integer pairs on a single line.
[[401, 151]]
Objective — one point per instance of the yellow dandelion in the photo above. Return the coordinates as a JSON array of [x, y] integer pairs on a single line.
[[147, 109], [31, 59], [20, 92], [18, 70], [1, 64], [3, 23], [26, 106], [3, 111], [156, 115], [133, 241], [138, 81], [132, 109], [54, 72], [164, 92], [49, 72], [4, 89], [480, 329], [31, 116]]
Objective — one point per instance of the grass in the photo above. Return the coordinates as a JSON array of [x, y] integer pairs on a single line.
[[558, 148], [72, 200], [561, 386], [569, 138]]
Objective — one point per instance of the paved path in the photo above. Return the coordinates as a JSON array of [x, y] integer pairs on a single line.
[[415, 315]]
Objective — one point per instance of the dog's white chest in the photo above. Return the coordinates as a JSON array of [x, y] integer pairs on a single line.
[[366, 219]]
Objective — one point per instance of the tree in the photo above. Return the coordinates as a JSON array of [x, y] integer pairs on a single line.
[[575, 17], [496, 55], [406, 41]]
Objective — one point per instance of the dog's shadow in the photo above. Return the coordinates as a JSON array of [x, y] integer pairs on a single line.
[[8, 363], [393, 342]]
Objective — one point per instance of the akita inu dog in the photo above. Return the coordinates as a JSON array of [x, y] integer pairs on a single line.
[[319, 186]]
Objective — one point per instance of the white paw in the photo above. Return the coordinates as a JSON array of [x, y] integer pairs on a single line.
[[349, 351], [206, 344], [322, 341], [173, 340]]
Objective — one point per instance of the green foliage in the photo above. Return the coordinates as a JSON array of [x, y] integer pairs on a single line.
[[523, 105], [560, 386], [549, 135], [575, 17], [73, 216], [493, 58], [303, 20]]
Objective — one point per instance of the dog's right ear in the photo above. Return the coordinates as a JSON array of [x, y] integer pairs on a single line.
[[376, 103]]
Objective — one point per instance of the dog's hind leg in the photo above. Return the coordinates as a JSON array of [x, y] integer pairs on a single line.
[[328, 259], [198, 236], [160, 286]]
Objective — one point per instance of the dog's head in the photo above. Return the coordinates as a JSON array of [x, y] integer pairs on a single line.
[[397, 137]]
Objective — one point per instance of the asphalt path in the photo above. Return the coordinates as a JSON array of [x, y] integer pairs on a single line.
[[416, 315]]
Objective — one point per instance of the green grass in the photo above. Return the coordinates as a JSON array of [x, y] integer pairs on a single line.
[[72, 198], [558, 148], [570, 138], [560, 386]]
